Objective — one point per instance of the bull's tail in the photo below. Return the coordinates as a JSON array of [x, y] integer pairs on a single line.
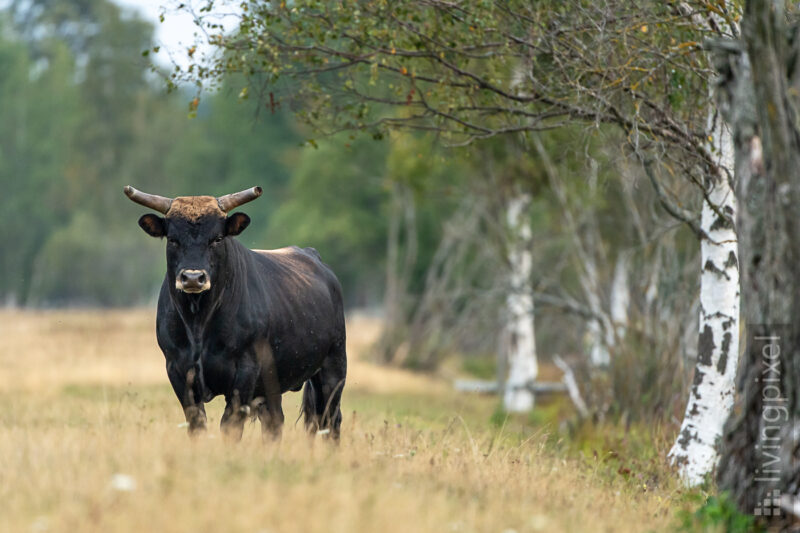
[[309, 407]]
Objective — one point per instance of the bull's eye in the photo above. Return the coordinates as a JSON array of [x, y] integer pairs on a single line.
[[217, 240], [172, 242]]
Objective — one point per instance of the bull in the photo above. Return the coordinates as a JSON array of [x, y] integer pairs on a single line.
[[246, 324]]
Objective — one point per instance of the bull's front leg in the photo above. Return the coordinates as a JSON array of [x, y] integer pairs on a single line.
[[188, 389], [237, 402]]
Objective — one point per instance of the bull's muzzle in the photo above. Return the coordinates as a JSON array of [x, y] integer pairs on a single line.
[[193, 281]]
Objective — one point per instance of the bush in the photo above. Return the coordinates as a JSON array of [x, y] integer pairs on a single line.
[[717, 513]]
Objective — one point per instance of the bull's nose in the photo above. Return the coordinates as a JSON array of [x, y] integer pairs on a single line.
[[193, 276], [193, 281]]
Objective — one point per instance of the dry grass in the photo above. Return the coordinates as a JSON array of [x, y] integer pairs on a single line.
[[84, 398]]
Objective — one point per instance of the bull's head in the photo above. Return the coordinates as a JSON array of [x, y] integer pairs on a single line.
[[196, 228]]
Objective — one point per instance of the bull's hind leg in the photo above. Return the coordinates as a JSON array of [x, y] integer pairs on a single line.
[[270, 411], [326, 390], [270, 414]]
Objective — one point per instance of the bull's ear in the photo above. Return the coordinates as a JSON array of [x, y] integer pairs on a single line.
[[236, 223], [153, 225]]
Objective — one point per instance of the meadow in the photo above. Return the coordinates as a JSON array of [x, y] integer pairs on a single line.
[[92, 439]]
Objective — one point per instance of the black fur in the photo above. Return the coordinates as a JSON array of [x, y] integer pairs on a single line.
[[270, 322]]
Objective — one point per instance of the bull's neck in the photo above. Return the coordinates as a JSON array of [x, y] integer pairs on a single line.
[[197, 310]]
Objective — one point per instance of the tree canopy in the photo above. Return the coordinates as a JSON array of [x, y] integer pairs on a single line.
[[477, 69]]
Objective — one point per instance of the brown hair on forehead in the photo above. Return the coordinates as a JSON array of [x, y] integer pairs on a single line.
[[193, 208]]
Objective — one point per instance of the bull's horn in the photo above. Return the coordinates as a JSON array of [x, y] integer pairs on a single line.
[[153, 201], [232, 201]]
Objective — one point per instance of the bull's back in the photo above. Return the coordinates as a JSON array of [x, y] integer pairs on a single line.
[[301, 270]]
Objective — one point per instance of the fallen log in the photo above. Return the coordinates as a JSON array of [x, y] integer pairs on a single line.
[[572, 387], [569, 385], [480, 386]]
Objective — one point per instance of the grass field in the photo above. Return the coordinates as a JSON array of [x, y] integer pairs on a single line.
[[90, 440]]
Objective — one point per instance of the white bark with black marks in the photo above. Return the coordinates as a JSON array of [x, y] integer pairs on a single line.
[[519, 335], [599, 332], [620, 297], [696, 450], [761, 444]]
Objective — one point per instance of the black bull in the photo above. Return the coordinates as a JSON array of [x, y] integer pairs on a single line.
[[247, 324]]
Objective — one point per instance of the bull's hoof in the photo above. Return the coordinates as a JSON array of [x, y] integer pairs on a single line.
[[271, 435], [196, 419], [232, 431], [197, 430], [232, 423]]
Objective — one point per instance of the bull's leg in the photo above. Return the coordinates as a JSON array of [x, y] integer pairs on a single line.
[[187, 389], [328, 384], [312, 405], [270, 412], [233, 418], [237, 403]]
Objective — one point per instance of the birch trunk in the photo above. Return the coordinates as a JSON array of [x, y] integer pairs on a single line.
[[520, 339], [761, 446], [402, 235], [620, 296], [711, 397], [599, 328], [604, 335], [599, 333]]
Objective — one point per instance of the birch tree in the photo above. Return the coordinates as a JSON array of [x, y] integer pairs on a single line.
[[760, 81], [620, 295], [474, 70], [712, 393], [711, 396], [519, 335]]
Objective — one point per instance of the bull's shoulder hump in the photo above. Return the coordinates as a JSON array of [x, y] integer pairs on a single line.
[[289, 251], [303, 265], [278, 251], [298, 260], [312, 252]]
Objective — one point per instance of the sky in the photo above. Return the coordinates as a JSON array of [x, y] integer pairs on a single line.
[[177, 33]]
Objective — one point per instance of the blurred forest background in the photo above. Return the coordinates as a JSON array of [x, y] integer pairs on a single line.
[[415, 229]]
